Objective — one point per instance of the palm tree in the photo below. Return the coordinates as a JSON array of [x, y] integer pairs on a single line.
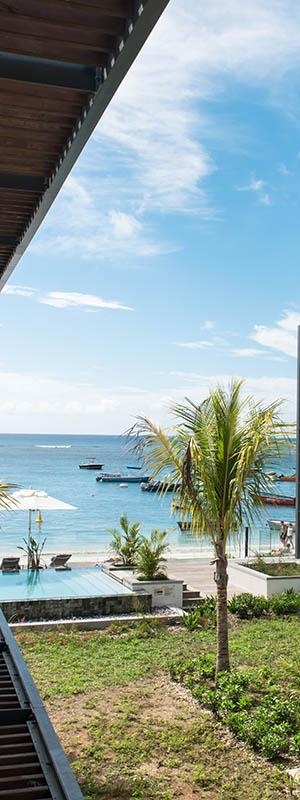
[[151, 556], [125, 543], [219, 451]]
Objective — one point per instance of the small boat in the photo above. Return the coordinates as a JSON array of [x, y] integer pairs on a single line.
[[160, 486], [276, 500], [275, 524], [91, 465], [133, 467], [118, 477], [286, 478], [123, 485]]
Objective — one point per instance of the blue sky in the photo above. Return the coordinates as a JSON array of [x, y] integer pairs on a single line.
[[170, 259]]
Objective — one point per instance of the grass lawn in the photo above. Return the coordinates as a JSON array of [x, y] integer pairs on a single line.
[[132, 734]]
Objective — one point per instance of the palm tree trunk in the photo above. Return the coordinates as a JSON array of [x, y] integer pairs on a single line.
[[221, 579]]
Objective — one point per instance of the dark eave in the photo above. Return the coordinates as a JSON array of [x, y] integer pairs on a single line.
[[61, 62]]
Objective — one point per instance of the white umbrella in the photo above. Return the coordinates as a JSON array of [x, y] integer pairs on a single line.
[[36, 500]]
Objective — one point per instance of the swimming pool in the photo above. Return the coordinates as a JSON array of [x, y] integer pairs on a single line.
[[49, 584]]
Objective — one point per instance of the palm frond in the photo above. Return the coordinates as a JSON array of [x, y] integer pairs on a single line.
[[7, 502], [220, 450]]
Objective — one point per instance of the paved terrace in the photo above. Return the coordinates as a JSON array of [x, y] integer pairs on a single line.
[[197, 574]]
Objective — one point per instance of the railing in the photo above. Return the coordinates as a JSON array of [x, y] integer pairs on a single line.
[[248, 542], [257, 540], [33, 764]]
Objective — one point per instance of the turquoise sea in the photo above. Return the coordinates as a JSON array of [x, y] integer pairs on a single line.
[[50, 463]]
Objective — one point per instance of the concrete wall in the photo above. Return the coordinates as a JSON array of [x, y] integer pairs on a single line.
[[249, 580], [68, 608]]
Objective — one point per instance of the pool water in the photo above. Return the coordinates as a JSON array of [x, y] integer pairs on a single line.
[[50, 584]]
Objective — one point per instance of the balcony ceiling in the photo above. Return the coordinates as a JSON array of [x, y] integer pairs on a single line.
[[61, 62]]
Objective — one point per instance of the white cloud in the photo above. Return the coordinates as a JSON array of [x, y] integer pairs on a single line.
[[78, 299], [154, 116], [124, 225], [284, 170], [249, 352], [19, 291], [37, 403], [255, 185], [208, 325], [254, 352], [282, 336], [82, 224], [90, 302], [265, 199], [197, 345], [151, 149]]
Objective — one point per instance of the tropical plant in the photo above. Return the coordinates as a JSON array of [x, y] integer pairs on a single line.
[[221, 451], [247, 605], [151, 556], [7, 502], [125, 543], [202, 616], [33, 551]]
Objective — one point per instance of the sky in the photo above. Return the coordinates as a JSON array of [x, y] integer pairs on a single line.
[[170, 260]]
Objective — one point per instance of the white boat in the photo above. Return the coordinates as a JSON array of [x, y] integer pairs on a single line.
[[274, 524]]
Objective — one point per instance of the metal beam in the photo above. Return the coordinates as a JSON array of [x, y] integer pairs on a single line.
[[50, 73], [25, 183], [138, 32], [8, 241]]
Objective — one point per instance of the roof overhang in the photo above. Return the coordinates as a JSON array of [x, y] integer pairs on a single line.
[[61, 62]]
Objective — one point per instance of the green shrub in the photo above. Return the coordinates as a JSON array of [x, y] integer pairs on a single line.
[[146, 628], [279, 567], [202, 615], [287, 602], [151, 556], [194, 670], [269, 726], [269, 723], [295, 744], [247, 605], [230, 694]]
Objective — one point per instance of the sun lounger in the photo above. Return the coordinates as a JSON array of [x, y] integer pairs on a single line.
[[10, 565], [60, 561]]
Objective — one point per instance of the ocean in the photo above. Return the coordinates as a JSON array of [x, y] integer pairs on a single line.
[[50, 463]]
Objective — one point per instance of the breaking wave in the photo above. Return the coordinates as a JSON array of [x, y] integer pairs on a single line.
[[53, 446]]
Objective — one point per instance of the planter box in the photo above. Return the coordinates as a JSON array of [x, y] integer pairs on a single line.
[[163, 593], [258, 583]]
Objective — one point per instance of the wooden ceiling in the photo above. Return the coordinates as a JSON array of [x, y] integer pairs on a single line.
[[61, 62]]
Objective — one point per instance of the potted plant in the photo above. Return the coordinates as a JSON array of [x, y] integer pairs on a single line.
[[33, 551], [150, 572], [151, 557]]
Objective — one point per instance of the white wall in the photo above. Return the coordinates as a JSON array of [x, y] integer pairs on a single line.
[[249, 580], [164, 593]]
